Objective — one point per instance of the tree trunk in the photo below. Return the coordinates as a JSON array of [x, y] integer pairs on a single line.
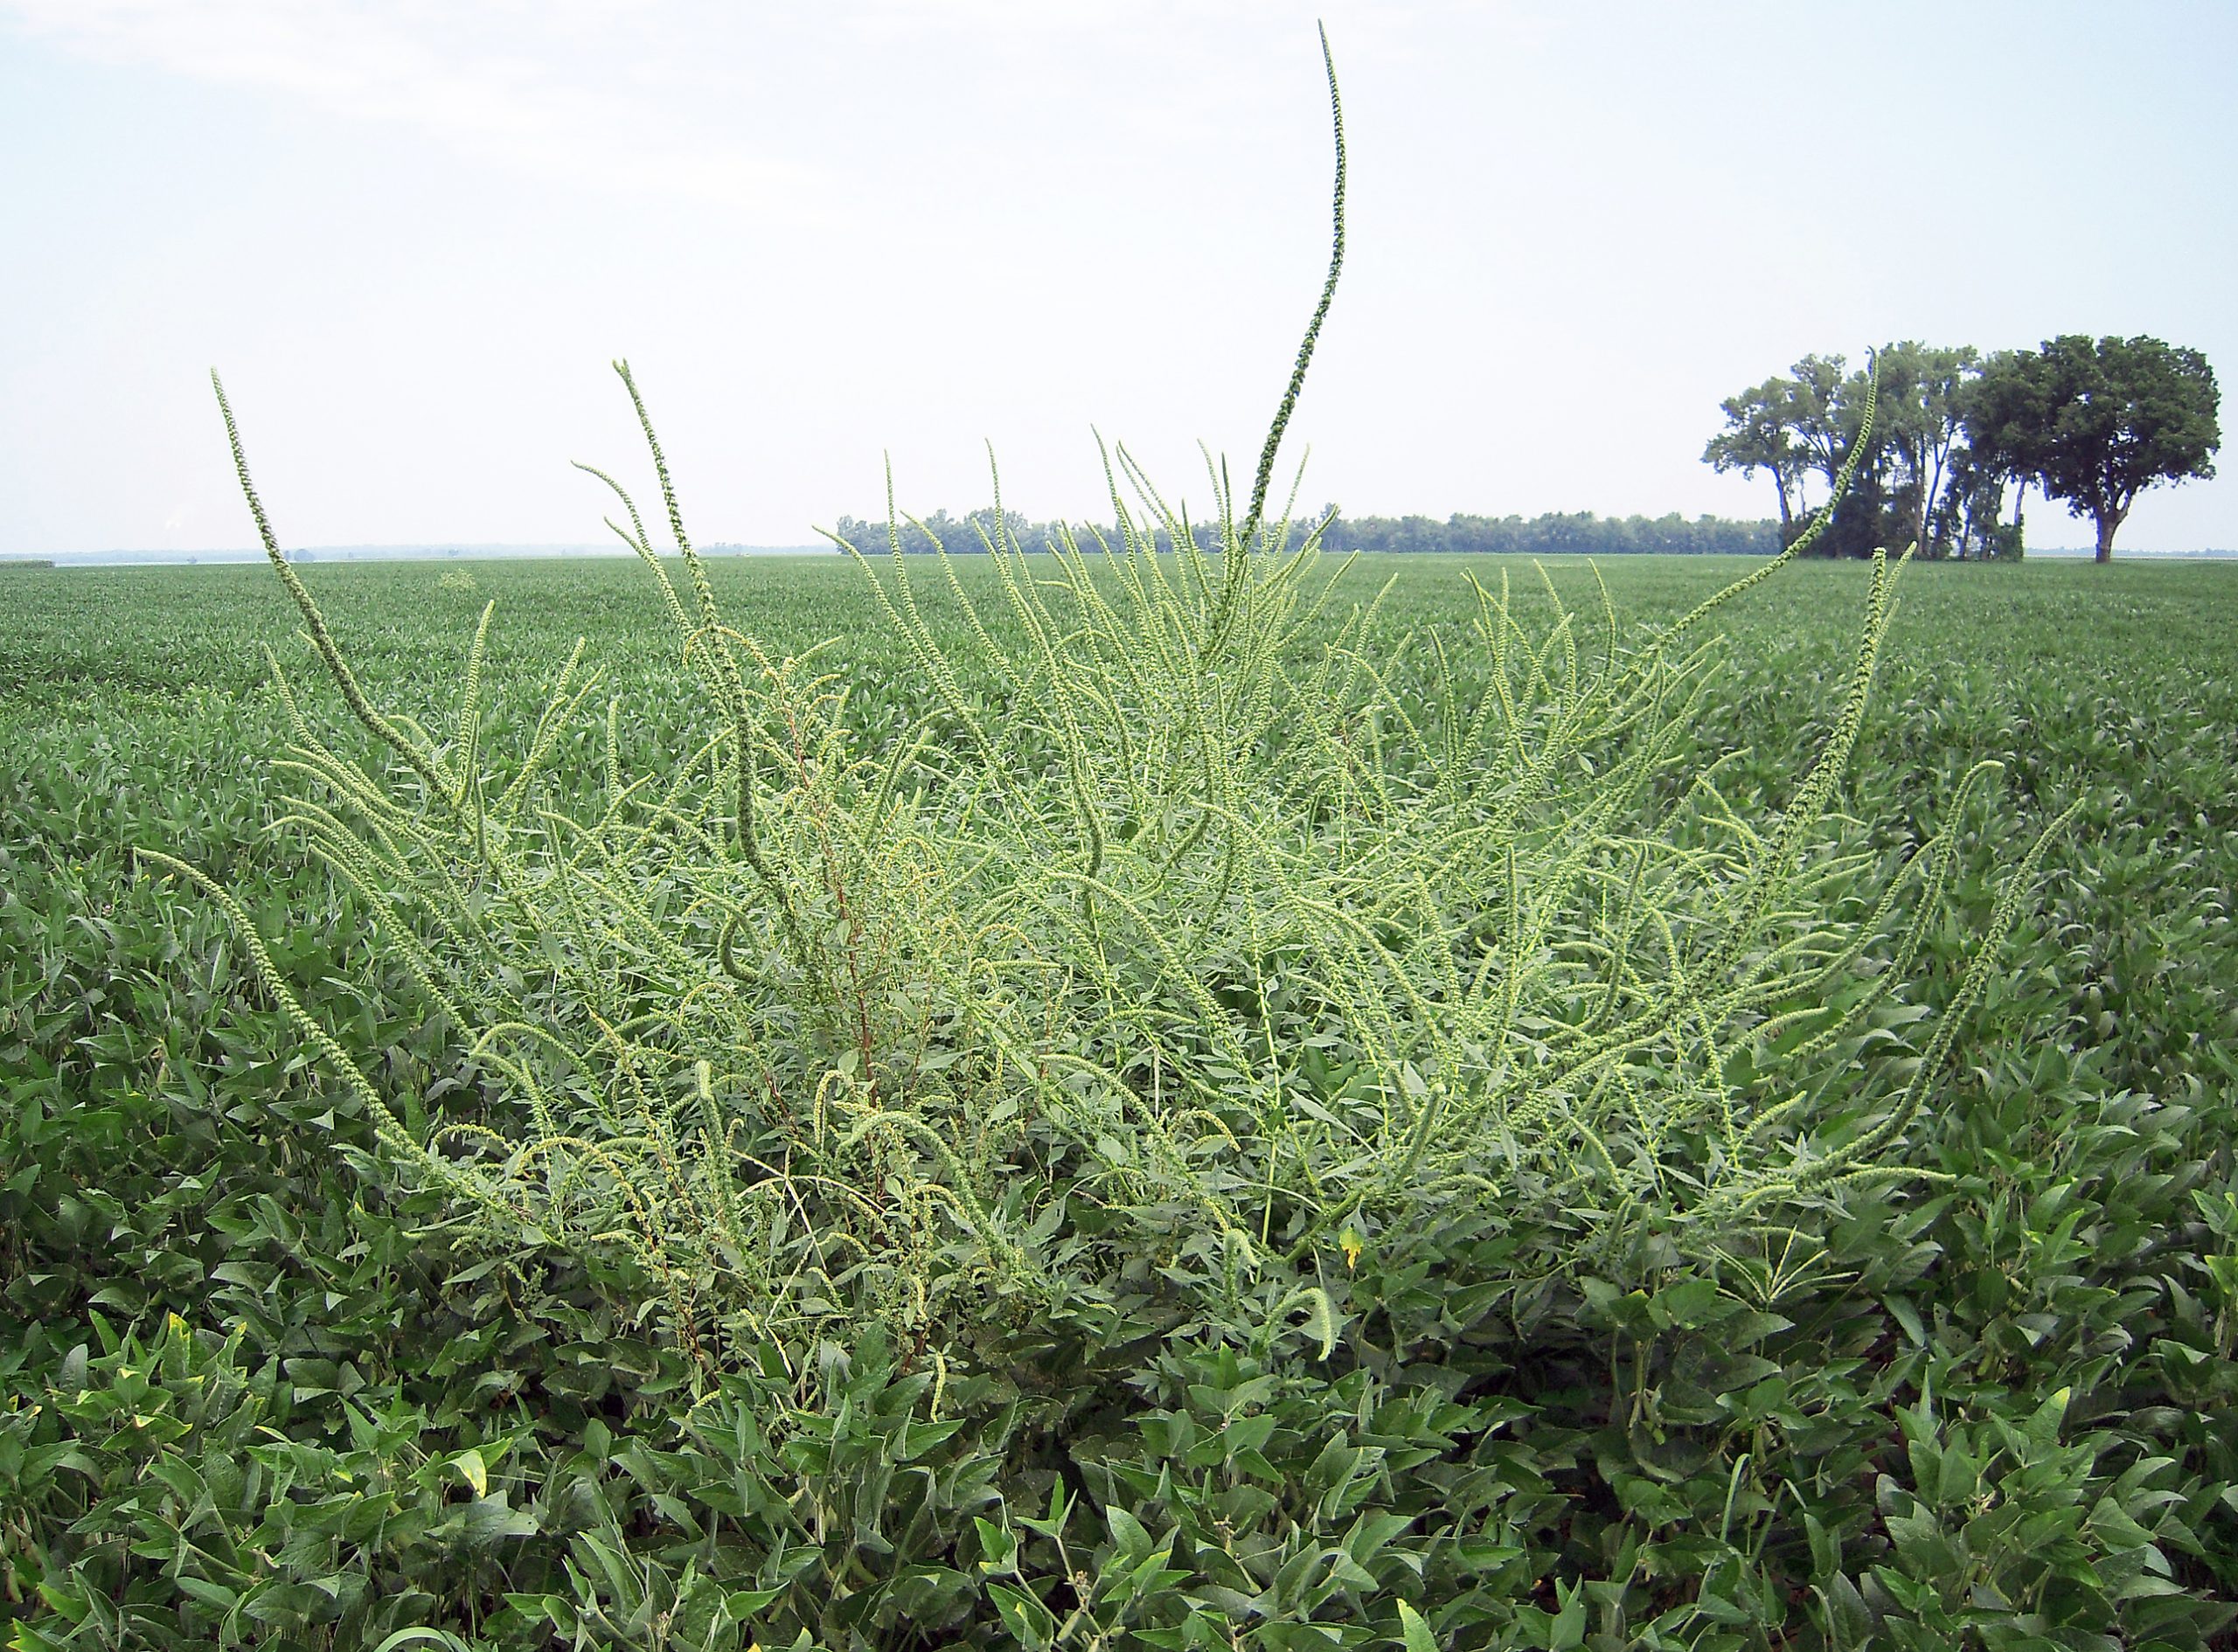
[[1934, 490], [1915, 461], [2109, 520]]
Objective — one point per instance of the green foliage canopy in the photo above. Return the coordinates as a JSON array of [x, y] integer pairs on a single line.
[[2097, 421], [2091, 423]]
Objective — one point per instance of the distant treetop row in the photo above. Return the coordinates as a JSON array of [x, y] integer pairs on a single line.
[[1578, 533], [2090, 423]]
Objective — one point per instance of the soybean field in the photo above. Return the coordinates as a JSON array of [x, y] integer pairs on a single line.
[[1120, 1103]]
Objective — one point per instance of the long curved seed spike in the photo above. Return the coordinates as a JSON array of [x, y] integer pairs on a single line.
[[660, 462], [1261, 481], [1216, 630], [727, 677], [640, 542], [421, 762]]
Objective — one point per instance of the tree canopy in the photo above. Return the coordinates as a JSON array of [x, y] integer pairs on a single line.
[[2097, 421], [2091, 423]]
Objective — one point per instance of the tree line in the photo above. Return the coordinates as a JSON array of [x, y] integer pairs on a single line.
[[1578, 533], [2088, 423], [1958, 437]]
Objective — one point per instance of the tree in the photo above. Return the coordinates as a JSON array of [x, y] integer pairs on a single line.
[[1793, 427], [2097, 422], [1825, 411], [2002, 413], [1968, 520], [1758, 438], [1916, 435]]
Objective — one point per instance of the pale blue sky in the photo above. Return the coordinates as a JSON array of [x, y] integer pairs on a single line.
[[411, 234]]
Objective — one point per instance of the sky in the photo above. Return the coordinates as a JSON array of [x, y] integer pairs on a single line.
[[411, 234]]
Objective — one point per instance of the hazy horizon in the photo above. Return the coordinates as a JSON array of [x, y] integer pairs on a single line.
[[413, 235], [240, 556]]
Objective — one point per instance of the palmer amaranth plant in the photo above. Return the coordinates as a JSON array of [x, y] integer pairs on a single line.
[[1202, 941]]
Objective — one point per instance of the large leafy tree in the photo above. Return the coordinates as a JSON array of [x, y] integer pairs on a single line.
[[1917, 433], [1826, 410], [1793, 427], [2001, 412], [1757, 437], [2097, 421]]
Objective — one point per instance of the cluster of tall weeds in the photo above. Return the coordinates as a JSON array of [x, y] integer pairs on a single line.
[[1181, 948], [1188, 949]]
